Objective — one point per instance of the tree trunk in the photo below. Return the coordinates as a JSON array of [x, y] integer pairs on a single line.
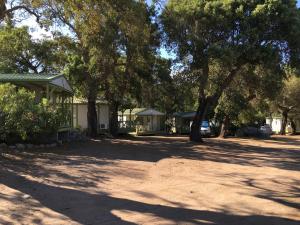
[[195, 134], [2, 10], [293, 125], [224, 127], [284, 122], [92, 116], [113, 119]]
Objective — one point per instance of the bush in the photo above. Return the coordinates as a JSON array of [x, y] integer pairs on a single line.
[[22, 117]]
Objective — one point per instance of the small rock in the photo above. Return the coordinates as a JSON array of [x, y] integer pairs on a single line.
[[12, 147], [42, 146], [26, 196], [20, 146], [48, 146]]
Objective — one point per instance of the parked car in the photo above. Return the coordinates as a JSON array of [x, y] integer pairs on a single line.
[[266, 129], [205, 128]]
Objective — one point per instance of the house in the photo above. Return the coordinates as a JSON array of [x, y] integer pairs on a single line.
[[80, 109], [141, 121], [54, 87], [276, 122]]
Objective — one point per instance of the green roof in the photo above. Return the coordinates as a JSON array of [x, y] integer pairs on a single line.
[[133, 111], [32, 81], [142, 112], [28, 77]]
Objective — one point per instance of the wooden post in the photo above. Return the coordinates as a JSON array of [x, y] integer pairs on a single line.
[[130, 119], [98, 116], [72, 111]]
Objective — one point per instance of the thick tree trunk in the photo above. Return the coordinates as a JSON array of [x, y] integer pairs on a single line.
[[113, 119], [195, 134], [92, 116], [224, 127], [284, 122], [2, 10], [205, 102]]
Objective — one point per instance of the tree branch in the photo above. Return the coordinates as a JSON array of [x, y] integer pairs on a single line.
[[19, 7]]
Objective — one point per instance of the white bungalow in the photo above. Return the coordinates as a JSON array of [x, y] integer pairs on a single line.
[[141, 121]]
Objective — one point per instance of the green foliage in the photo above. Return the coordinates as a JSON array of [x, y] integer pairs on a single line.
[[160, 90], [19, 53], [288, 98], [253, 115], [23, 117], [231, 103], [290, 93], [246, 100], [216, 40], [225, 35], [186, 92]]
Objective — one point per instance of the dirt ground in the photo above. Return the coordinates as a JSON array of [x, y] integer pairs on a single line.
[[154, 180]]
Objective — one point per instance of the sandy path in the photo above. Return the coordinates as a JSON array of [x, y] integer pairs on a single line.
[[154, 180]]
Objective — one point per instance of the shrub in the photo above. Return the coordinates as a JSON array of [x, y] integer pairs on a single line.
[[22, 117]]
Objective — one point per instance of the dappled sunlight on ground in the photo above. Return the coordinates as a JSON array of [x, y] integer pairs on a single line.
[[154, 180]]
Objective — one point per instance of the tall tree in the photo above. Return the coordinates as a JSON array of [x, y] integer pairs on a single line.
[[113, 41], [230, 34]]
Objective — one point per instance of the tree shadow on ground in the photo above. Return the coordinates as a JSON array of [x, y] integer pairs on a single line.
[[153, 149], [99, 208], [249, 155], [284, 140], [278, 196], [46, 166]]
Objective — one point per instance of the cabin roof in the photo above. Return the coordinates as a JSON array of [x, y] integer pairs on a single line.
[[142, 112], [36, 81], [185, 114]]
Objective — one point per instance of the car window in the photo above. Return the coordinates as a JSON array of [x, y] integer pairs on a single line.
[[204, 124]]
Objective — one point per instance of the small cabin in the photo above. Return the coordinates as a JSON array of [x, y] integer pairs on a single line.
[[141, 121]]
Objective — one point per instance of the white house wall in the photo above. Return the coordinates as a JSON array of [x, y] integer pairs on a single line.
[[103, 116], [80, 116], [275, 124]]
